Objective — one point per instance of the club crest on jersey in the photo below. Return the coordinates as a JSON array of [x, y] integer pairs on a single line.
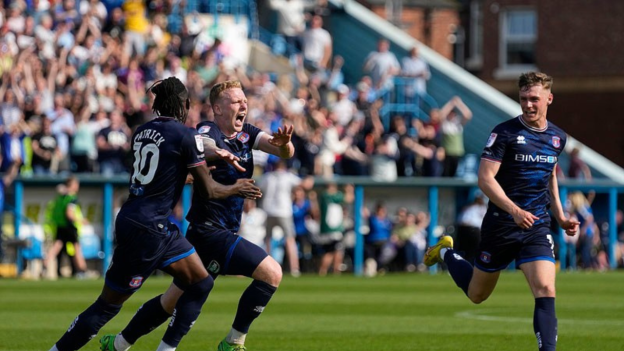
[[485, 257], [243, 137], [203, 129], [491, 140], [556, 141], [136, 282]]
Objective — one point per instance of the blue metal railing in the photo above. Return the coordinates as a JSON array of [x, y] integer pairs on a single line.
[[236, 8], [402, 100], [434, 186]]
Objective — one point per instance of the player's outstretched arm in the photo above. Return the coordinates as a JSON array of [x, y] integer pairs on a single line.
[[570, 226], [213, 153], [492, 189], [214, 190], [279, 143]]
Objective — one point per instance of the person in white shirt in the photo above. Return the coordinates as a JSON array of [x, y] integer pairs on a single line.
[[382, 66], [469, 226], [253, 223], [415, 68], [277, 203], [317, 46], [290, 21]]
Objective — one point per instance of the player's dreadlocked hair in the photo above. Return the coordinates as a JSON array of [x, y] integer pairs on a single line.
[[172, 98], [530, 79]]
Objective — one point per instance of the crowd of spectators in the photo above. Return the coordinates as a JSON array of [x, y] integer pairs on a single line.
[[74, 76]]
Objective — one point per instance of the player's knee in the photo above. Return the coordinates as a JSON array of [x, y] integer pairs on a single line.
[[271, 272], [478, 298], [544, 291]]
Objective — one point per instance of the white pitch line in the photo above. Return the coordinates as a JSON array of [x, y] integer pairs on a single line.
[[482, 316]]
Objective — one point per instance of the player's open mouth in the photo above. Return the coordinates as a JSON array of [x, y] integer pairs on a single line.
[[240, 118]]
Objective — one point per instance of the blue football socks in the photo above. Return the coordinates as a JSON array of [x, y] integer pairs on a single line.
[[87, 325], [252, 303], [460, 269], [545, 323], [147, 318], [187, 310]]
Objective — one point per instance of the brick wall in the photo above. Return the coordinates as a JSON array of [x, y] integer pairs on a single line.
[[441, 26]]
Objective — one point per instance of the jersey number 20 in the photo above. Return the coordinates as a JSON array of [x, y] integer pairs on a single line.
[[141, 157]]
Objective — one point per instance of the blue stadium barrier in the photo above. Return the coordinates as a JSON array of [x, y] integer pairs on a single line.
[[610, 194]]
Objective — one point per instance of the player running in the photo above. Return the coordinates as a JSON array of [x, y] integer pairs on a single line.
[[517, 173], [213, 223], [164, 152]]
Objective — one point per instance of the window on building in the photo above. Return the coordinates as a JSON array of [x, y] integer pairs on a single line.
[[519, 36]]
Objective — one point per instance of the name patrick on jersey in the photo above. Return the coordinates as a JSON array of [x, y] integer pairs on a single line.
[[151, 134]]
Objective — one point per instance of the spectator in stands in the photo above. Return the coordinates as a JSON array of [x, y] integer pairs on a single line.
[[317, 46], [588, 230], [454, 116], [45, 148], [290, 22], [343, 107], [63, 127], [305, 215], [277, 188], [417, 70], [432, 162], [354, 161], [330, 237], [335, 78], [469, 227], [84, 148], [333, 146], [115, 26], [113, 143], [409, 149], [578, 169], [382, 66], [5, 182], [383, 165], [378, 236], [253, 223], [136, 26]]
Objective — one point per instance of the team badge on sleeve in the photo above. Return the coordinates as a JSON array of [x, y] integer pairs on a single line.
[[491, 140], [203, 129], [136, 281], [556, 141], [243, 137], [199, 143]]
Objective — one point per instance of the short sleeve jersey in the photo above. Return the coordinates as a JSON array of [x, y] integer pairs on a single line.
[[226, 213], [527, 156], [163, 151], [332, 219]]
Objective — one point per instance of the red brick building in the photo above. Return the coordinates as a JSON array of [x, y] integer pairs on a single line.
[[432, 22]]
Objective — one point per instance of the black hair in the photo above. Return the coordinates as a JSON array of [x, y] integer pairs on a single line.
[[172, 98]]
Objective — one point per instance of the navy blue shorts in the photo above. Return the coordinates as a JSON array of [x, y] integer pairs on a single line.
[[500, 245], [224, 252], [140, 252]]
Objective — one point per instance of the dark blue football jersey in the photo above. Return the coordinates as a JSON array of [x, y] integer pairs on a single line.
[[163, 151], [226, 213], [527, 156]]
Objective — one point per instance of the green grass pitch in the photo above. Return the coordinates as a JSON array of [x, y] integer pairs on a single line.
[[392, 312]]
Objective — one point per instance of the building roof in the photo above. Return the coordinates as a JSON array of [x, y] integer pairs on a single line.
[[417, 3]]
